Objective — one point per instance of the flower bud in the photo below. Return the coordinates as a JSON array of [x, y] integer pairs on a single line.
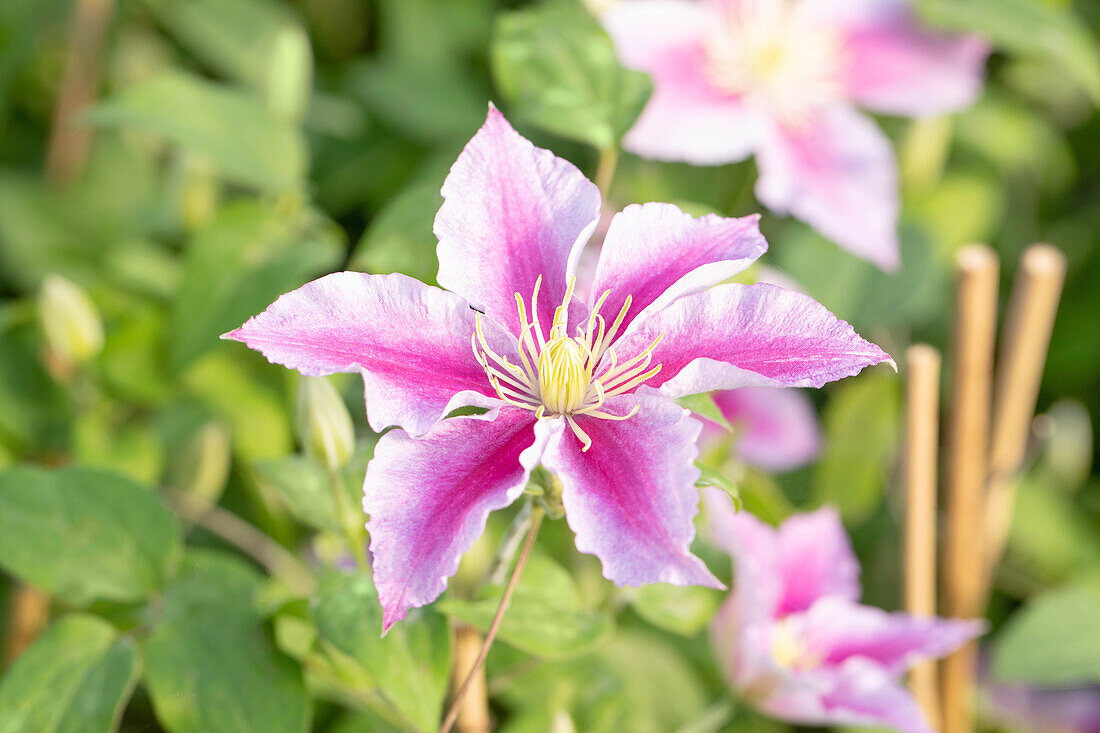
[[324, 425], [289, 73], [70, 321], [201, 468]]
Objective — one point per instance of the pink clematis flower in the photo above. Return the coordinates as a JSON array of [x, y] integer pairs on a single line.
[[583, 385], [775, 429], [793, 637], [781, 78]]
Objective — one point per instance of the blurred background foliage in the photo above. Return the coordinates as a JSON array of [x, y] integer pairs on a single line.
[[195, 547]]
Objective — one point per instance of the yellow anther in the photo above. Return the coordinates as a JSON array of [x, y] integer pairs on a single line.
[[563, 378]]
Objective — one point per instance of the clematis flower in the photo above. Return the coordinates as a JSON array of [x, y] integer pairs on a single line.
[[775, 429], [781, 79], [793, 638], [582, 384]]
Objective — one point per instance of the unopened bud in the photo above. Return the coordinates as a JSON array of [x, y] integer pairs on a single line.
[[70, 321], [289, 73], [324, 425], [202, 467]]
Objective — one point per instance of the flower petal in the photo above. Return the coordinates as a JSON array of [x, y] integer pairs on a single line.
[[838, 174], [656, 253], [428, 499], [512, 212], [754, 547], [777, 429], [631, 498], [837, 629], [410, 341], [857, 693], [816, 560], [686, 118], [896, 66], [748, 335]]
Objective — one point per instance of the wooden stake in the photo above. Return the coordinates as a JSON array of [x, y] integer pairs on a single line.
[[30, 610], [473, 714], [975, 329], [921, 446], [69, 141], [1028, 325]]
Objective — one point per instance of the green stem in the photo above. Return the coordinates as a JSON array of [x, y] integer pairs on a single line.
[[605, 170], [346, 518], [498, 619]]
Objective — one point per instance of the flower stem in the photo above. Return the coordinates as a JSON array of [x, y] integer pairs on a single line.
[[345, 516], [280, 562], [605, 169], [494, 627]]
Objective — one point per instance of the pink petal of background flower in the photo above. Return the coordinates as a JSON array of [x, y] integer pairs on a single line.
[[776, 429]]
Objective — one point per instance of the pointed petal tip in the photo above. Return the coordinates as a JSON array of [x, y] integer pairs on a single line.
[[235, 335]]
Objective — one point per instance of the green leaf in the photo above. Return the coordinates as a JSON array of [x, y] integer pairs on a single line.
[[713, 477], [861, 428], [684, 610], [230, 126], [704, 404], [76, 678], [304, 484], [400, 237], [85, 534], [545, 617], [410, 665], [210, 667], [249, 255], [1054, 640], [1028, 27], [559, 69]]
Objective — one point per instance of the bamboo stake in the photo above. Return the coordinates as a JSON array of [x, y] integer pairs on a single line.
[[1028, 326], [29, 613], [921, 444], [69, 142], [473, 713], [975, 328]]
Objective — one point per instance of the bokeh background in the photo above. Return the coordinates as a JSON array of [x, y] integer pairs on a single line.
[[186, 161]]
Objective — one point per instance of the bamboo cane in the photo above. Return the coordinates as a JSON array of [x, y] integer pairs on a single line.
[[975, 329], [1028, 326], [473, 713], [921, 445]]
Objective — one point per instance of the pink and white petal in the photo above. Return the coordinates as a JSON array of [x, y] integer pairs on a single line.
[[428, 499], [897, 66], [512, 212], [837, 173], [631, 498], [656, 253], [686, 118], [733, 336], [777, 429], [837, 630], [754, 548], [858, 693], [410, 341], [816, 560]]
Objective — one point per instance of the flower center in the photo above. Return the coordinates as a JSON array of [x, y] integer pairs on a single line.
[[789, 649], [562, 375], [768, 52]]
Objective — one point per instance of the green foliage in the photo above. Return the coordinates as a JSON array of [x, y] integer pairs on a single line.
[[558, 67], [862, 424], [248, 144], [1026, 27], [685, 610], [209, 664], [1054, 640], [85, 534], [76, 678], [411, 665], [546, 616]]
